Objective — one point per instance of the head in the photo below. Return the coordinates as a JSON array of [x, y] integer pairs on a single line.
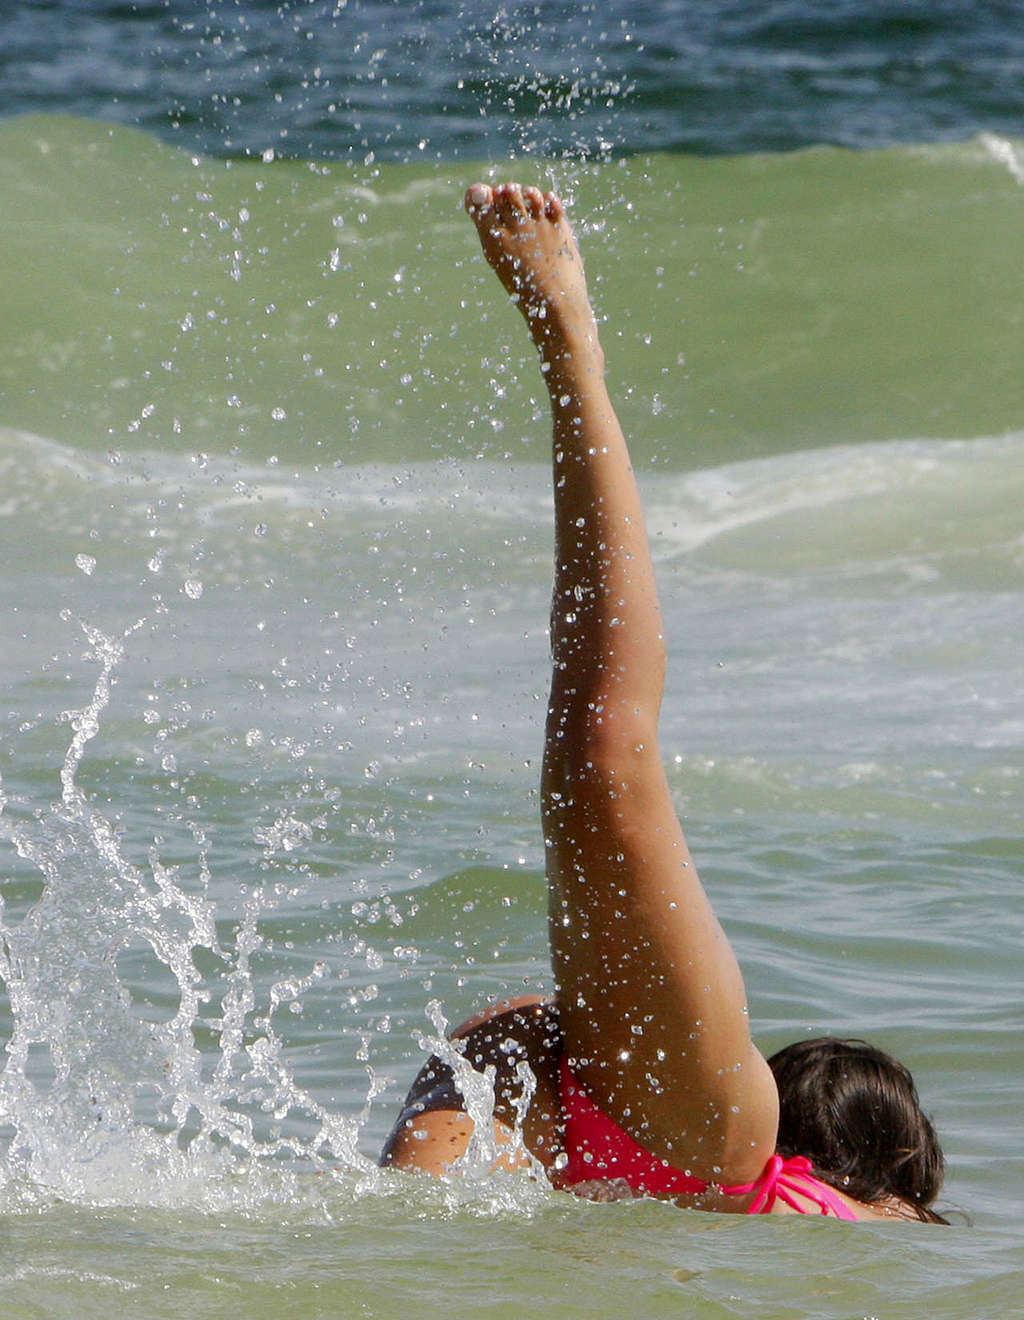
[[853, 1111]]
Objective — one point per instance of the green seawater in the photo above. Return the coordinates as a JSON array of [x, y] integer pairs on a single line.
[[315, 311], [275, 522]]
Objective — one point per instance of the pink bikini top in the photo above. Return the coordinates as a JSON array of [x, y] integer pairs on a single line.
[[599, 1149]]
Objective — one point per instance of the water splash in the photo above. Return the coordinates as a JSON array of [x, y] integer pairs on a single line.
[[107, 1098], [103, 1102]]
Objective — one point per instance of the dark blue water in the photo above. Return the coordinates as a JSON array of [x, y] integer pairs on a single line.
[[406, 79]]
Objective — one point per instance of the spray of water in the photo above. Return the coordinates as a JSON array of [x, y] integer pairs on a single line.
[[84, 1061], [107, 1100]]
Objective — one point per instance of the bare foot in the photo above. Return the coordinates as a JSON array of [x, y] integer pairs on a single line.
[[529, 243]]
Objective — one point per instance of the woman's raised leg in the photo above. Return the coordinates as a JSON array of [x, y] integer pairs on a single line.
[[652, 1003]]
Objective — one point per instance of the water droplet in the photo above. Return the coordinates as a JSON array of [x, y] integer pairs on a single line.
[[86, 563]]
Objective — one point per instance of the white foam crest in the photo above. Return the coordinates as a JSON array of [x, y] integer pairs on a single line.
[[32, 467], [896, 500], [1005, 153]]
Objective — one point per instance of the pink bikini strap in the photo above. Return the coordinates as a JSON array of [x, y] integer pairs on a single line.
[[780, 1181], [766, 1185]]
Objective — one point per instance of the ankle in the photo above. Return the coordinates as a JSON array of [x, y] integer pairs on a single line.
[[571, 368]]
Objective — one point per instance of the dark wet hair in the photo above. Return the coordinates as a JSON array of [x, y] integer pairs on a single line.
[[853, 1111]]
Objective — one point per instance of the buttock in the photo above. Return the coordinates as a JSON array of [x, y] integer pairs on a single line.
[[434, 1088], [526, 1032]]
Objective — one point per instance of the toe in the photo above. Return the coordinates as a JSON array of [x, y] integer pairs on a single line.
[[553, 208], [534, 200], [478, 199], [509, 203]]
